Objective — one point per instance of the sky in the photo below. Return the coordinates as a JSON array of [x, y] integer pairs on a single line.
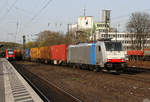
[[30, 17]]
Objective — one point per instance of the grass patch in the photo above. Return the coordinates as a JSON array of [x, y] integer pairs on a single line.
[[75, 78]]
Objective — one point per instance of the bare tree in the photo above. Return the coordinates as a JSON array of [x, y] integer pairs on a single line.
[[78, 36], [47, 38], [139, 28]]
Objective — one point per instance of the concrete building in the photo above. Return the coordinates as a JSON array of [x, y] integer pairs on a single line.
[[74, 27], [85, 22], [101, 27], [123, 37]]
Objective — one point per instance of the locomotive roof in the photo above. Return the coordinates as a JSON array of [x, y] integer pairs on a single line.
[[82, 44], [89, 44], [9, 49]]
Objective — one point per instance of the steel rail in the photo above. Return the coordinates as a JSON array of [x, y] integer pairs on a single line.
[[45, 99], [59, 89]]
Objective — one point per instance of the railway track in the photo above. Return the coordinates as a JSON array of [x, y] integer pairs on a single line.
[[139, 77], [135, 70], [47, 90], [136, 78], [130, 72]]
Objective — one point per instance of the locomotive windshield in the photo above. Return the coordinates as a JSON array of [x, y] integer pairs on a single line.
[[113, 46], [10, 52]]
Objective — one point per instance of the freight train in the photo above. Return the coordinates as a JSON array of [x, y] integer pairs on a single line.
[[93, 56]]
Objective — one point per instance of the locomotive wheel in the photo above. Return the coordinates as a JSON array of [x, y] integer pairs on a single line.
[[46, 61], [90, 69], [96, 69]]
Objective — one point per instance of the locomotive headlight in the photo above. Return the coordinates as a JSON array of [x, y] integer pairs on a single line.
[[109, 60], [122, 60]]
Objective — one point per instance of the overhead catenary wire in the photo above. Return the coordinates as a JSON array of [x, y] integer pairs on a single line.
[[46, 3], [22, 10], [25, 25], [37, 14], [9, 9], [127, 15], [123, 18]]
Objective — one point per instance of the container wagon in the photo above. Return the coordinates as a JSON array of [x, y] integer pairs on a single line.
[[34, 54], [135, 54], [146, 55], [27, 54], [18, 54], [44, 54], [59, 53]]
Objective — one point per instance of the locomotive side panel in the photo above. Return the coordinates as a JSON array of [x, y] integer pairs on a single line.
[[79, 54], [92, 54]]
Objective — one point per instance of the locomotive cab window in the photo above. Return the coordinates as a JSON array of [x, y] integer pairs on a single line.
[[10, 52], [113, 46]]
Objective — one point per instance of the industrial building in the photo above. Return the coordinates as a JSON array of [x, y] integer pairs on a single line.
[[127, 39], [103, 29]]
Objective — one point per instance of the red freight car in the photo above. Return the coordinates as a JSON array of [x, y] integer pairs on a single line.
[[147, 52], [146, 55], [135, 52], [59, 53]]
